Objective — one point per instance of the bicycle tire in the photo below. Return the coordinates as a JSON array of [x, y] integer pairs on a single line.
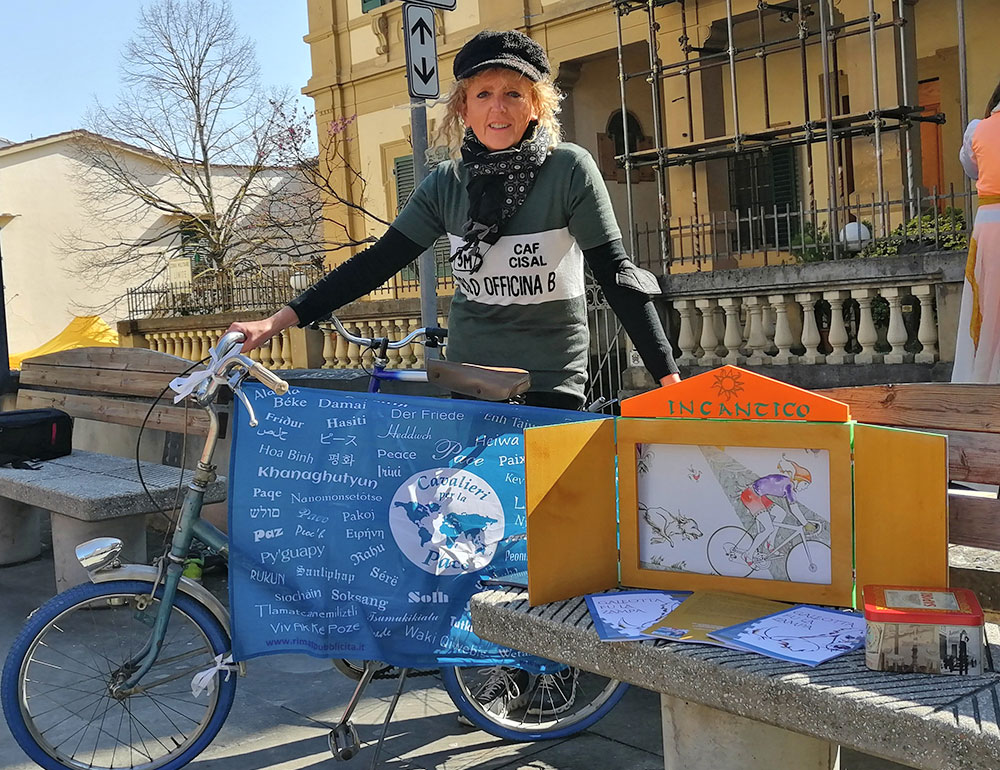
[[801, 566], [599, 696], [720, 552], [96, 627]]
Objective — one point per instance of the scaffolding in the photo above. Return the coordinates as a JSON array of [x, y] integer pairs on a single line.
[[814, 25]]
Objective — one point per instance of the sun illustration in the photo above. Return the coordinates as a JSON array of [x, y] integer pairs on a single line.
[[728, 383]]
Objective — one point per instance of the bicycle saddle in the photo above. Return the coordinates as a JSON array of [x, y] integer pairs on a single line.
[[489, 383]]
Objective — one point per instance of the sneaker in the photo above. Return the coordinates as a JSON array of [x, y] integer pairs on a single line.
[[554, 693], [504, 689], [193, 568]]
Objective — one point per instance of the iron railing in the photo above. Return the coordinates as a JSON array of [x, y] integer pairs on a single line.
[[263, 293], [780, 235]]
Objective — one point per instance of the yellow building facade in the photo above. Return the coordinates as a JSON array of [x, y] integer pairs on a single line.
[[756, 131]]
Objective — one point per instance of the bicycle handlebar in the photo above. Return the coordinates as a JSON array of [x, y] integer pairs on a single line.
[[367, 342]]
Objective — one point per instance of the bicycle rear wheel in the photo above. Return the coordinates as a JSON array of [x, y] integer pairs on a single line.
[[552, 705], [56, 685]]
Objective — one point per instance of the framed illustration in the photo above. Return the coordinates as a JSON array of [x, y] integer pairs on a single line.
[[761, 508]]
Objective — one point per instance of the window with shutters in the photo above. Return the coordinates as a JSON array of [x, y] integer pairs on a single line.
[[764, 193], [410, 275], [612, 144]]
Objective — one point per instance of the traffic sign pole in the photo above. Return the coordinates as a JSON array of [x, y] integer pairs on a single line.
[[420, 39]]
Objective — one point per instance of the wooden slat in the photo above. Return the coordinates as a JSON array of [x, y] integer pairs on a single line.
[[132, 359], [122, 382], [927, 406], [973, 520], [120, 411], [973, 456]]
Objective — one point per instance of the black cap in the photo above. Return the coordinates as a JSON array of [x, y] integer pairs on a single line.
[[512, 50]]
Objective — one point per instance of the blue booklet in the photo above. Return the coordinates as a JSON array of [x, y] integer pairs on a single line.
[[620, 616], [801, 634]]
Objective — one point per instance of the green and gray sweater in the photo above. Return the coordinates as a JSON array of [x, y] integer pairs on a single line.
[[526, 306]]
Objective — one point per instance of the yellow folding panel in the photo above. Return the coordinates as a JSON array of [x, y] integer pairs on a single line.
[[900, 507], [572, 521]]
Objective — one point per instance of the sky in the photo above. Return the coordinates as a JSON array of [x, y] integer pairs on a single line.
[[56, 56]]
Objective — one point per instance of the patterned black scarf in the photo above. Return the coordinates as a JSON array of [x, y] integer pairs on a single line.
[[498, 184]]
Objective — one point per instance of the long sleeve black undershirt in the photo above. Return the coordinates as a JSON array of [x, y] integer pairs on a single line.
[[634, 309], [372, 267]]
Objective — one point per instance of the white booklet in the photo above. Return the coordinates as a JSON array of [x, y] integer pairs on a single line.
[[621, 616], [802, 634]]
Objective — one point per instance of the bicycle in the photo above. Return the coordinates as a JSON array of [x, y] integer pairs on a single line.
[[808, 561], [112, 673]]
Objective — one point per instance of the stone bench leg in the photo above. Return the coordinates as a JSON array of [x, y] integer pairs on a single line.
[[20, 532], [697, 737], [68, 533]]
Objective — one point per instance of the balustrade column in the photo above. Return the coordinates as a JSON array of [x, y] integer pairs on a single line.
[[733, 338], [185, 345], [153, 341], [353, 349], [276, 345], [329, 347], [867, 336], [343, 348], [927, 333], [810, 331], [205, 344], [896, 335], [406, 357], [838, 329], [767, 323], [709, 340], [783, 338], [265, 354], [686, 339], [418, 347], [287, 362], [756, 340]]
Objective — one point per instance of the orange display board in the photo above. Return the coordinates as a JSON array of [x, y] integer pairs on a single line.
[[731, 393], [751, 485]]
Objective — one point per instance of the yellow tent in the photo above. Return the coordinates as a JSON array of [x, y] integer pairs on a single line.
[[87, 331]]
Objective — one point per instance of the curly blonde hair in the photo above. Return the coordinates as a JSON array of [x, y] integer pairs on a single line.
[[544, 95]]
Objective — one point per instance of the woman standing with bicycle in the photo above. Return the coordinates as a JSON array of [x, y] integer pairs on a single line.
[[523, 212]]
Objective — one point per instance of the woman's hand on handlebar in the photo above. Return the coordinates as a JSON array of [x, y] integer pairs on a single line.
[[259, 332]]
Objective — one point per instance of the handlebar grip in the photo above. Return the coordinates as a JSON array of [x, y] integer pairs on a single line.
[[269, 378]]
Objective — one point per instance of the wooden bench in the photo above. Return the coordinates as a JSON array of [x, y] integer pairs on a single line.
[[724, 710], [970, 416], [108, 392]]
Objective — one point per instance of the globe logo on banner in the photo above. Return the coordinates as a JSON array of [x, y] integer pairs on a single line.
[[447, 521]]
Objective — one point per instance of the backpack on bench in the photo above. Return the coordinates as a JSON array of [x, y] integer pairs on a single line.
[[34, 434]]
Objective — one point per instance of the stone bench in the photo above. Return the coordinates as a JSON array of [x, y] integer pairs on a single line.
[[728, 710], [87, 493]]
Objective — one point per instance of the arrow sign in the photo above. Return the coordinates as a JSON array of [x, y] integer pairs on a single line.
[[421, 52], [444, 5]]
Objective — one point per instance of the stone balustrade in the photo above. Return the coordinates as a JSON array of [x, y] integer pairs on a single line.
[[194, 345], [847, 313]]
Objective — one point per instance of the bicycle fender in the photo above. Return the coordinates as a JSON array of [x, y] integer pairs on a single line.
[[144, 572]]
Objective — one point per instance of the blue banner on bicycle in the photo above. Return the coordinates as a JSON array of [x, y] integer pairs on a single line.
[[360, 524]]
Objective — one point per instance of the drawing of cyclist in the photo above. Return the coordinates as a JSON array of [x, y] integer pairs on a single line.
[[760, 496]]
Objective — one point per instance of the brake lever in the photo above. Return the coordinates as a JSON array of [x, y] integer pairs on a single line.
[[235, 384]]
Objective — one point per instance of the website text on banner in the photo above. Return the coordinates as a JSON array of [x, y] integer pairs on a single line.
[[360, 523]]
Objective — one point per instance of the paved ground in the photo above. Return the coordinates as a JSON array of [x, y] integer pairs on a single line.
[[284, 706]]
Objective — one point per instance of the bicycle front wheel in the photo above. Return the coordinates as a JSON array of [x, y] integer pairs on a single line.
[[57, 681], [532, 707]]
